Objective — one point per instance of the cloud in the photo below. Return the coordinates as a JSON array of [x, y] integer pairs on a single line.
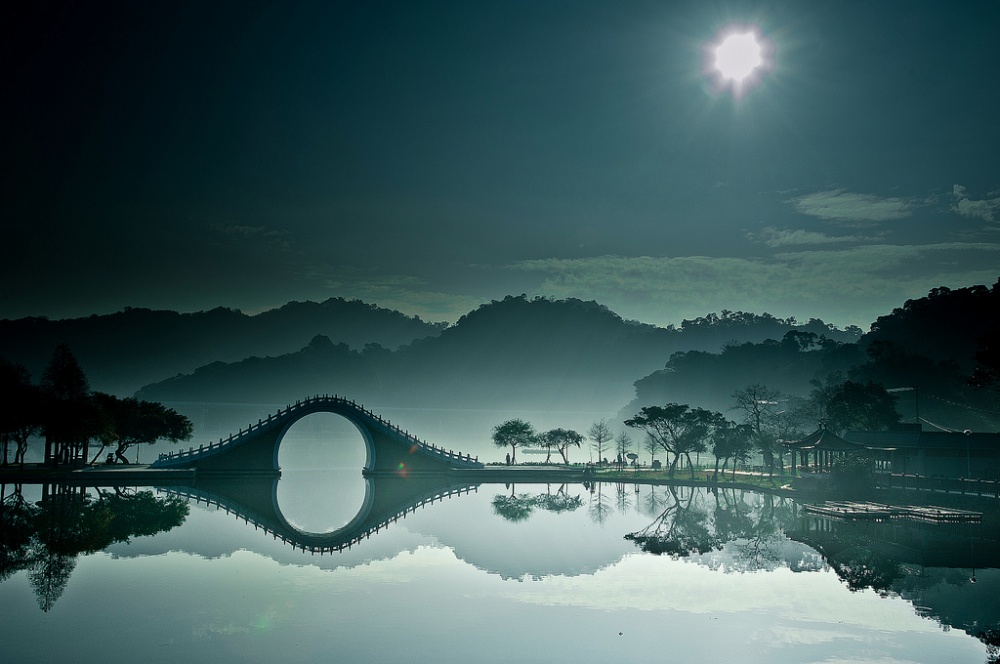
[[845, 207], [773, 237], [850, 286], [985, 209]]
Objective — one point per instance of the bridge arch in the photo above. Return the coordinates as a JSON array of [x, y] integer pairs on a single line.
[[390, 450], [366, 437]]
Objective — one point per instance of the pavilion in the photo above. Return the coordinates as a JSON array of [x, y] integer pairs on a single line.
[[824, 446]]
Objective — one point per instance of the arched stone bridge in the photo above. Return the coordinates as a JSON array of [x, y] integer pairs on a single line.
[[390, 450], [387, 500]]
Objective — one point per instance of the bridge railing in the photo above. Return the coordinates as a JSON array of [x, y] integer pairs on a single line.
[[194, 453]]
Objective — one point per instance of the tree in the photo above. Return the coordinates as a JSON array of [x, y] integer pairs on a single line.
[[562, 439], [987, 372], [623, 444], [863, 406], [649, 445], [731, 442], [104, 420], [547, 441], [757, 404], [20, 412], [66, 391], [677, 428], [600, 434], [514, 433], [138, 422]]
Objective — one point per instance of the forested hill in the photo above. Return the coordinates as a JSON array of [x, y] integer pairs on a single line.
[[123, 351], [945, 326], [929, 347], [514, 353]]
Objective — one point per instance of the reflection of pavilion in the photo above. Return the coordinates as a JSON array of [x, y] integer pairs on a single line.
[[824, 447]]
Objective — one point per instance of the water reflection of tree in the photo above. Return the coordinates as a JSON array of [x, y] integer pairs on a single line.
[[518, 507], [757, 531], [689, 521], [599, 508], [682, 528], [991, 638], [856, 554], [45, 538], [859, 567], [16, 515], [623, 499]]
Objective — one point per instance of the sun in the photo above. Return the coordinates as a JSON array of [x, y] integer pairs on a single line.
[[737, 58]]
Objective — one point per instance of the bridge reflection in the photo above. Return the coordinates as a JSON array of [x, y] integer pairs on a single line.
[[386, 501]]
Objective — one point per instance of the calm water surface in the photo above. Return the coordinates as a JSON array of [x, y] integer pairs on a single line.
[[529, 573], [522, 573]]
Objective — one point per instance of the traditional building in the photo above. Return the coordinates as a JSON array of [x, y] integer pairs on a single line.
[[954, 454], [820, 450]]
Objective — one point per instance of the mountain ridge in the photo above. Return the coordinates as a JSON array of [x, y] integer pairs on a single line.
[[514, 352]]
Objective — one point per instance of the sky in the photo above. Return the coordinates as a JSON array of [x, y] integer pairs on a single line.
[[430, 157]]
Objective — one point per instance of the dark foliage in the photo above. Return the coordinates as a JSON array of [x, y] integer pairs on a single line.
[[928, 352]]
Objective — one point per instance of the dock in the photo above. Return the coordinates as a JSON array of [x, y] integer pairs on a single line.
[[880, 512]]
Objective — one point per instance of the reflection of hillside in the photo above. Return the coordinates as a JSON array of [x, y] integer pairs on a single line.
[[46, 538]]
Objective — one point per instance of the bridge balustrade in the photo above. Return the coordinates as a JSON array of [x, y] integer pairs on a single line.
[[192, 454]]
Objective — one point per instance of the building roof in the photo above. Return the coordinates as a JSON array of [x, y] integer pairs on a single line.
[[825, 440], [950, 440]]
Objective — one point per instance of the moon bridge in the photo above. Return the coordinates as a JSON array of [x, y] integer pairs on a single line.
[[390, 450]]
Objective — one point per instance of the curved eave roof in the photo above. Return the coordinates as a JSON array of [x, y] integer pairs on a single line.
[[825, 440]]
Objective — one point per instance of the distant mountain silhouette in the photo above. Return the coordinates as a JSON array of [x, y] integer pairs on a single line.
[[514, 353], [123, 351]]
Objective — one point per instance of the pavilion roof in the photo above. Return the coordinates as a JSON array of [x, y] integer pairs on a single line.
[[826, 440]]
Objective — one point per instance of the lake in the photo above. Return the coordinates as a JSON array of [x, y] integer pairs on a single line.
[[490, 573]]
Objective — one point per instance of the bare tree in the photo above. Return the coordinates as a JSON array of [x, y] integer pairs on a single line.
[[623, 445], [650, 445], [601, 436], [757, 403]]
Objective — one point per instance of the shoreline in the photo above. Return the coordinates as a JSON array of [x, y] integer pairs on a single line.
[[779, 485]]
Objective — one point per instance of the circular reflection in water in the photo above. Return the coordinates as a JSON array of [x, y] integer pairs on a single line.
[[321, 487]]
